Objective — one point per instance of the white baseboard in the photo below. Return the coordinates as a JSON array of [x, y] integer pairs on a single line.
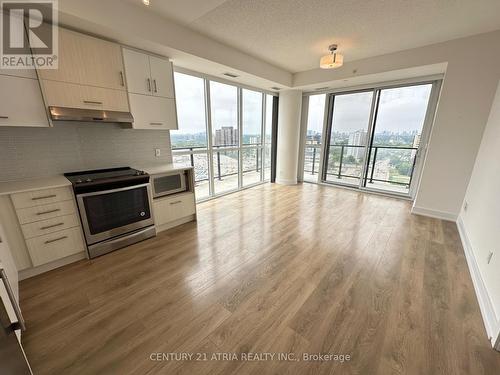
[[490, 320], [30, 272], [448, 216], [175, 223], [286, 182]]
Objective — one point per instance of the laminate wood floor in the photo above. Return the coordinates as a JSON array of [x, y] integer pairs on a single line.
[[273, 269]]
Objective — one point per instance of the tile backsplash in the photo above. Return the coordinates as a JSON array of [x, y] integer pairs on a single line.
[[70, 146]]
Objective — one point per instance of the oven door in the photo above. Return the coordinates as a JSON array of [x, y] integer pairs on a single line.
[[110, 213]]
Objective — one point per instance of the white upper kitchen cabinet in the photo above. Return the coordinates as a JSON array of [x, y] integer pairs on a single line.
[[88, 61], [21, 102], [150, 87], [90, 74], [137, 71], [148, 75], [162, 77], [153, 112]]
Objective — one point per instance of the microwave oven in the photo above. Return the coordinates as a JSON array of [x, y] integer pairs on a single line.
[[169, 183]]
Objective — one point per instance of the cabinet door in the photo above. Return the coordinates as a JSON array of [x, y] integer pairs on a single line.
[[21, 102], [103, 63], [137, 71], [162, 76], [87, 97], [173, 208], [88, 61], [152, 112]]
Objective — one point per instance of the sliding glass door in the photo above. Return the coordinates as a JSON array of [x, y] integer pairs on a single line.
[[348, 137], [375, 136], [396, 136]]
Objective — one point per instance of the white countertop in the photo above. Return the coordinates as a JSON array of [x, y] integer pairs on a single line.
[[161, 168], [11, 187], [20, 186]]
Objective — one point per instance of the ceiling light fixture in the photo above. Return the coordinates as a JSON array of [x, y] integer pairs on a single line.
[[332, 60], [145, 2]]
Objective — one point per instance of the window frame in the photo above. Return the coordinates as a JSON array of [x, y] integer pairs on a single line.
[[435, 80], [212, 150]]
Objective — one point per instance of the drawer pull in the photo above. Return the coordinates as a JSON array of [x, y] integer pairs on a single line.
[[156, 123], [56, 239], [48, 212], [92, 102], [154, 85], [176, 202], [122, 80], [148, 82], [44, 197], [4, 117], [51, 226]]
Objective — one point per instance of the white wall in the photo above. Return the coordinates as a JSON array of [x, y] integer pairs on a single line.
[[290, 105], [481, 220], [473, 70]]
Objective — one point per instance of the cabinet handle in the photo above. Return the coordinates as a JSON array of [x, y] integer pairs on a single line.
[[56, 239], [20, 320], [51, 226], [176, 202], [156, 123], [4, 117], [154, 85], [48, 212], [92, 102], [122, 80], [148, 81], [44, 197]]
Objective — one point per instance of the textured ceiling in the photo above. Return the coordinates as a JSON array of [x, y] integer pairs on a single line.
[[294, 34]]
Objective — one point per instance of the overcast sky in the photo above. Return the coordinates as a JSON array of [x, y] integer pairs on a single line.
[[401, 109], [191, 106]]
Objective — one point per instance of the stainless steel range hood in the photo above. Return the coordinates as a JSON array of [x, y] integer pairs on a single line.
[[87, 115]]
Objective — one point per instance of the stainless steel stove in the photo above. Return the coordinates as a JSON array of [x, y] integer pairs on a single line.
[[114, 206]]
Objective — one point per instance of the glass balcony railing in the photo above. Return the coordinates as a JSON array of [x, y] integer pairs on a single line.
[[388, 166], [226, 166]]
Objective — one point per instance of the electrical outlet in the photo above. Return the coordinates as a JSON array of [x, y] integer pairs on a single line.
[[157, 152], [490, 255], [466, 205]]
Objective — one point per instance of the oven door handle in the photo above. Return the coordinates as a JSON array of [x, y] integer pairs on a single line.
[[113, 190]]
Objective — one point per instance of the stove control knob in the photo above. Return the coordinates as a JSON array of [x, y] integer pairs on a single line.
[[88, 180], [78, 181]]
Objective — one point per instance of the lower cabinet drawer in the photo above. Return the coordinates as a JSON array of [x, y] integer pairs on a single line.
[[173, 208], [55, 224], [41, 197], [55, 246], [47, 211]]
